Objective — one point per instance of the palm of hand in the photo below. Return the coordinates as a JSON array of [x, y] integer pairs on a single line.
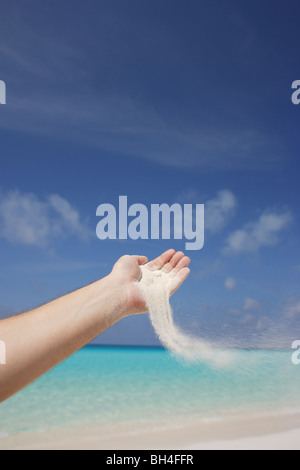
[[128, 272]]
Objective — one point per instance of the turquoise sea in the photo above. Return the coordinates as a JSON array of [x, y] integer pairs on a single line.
[[109, 385]]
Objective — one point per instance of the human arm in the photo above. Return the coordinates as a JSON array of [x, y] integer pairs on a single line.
[[38, 340]]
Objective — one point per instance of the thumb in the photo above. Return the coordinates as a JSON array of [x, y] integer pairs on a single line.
[[140, 259]]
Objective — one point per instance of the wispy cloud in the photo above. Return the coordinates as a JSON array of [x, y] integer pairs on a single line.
[[68, 216], [219, 210], [129, 127], [26, 219], [209, 269], [292, 309], [263, 323], [247, 319], [63, 97], [262, 233], [249, 308], [252, 305], [230, 283], [61, 266]]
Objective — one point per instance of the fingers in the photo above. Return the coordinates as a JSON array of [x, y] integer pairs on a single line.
[[163, 259], [173, 263], [167, 268], [141, 259], [170, 262], [183, 263], [179, 279]]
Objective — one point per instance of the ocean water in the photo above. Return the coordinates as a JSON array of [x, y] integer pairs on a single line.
[[110, 385]]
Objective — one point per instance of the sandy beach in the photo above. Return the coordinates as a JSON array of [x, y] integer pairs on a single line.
[[280, 432], [289, 440], [137, 398]]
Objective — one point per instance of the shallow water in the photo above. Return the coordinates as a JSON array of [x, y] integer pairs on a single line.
[[100, 385]]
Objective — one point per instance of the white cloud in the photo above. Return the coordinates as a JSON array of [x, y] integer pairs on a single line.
[[263, 323], [26, 219], [219, 210], [264, 232], [248, 318], [230, 283], [251, 305], [292, 308], [69, 216], [234, 312]]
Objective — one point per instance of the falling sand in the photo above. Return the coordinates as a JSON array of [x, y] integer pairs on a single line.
[[156, 290]]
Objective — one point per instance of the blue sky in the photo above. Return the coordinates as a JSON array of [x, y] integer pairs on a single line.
[[173, 101]]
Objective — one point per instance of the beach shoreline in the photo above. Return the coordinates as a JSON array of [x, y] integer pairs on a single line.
[[270, 432]]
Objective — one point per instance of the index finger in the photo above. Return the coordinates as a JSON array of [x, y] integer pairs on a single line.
[[159, 262]]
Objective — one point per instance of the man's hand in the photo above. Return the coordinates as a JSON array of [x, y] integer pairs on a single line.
[[127, 273], [41, 338]]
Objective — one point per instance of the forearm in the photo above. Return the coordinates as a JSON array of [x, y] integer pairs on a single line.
[[38, 340]]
